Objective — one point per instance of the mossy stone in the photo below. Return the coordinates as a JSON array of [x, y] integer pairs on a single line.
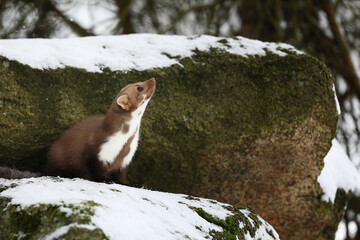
[[245, 130], [38, 221]]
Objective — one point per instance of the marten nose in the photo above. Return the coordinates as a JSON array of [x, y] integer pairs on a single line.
[[151, 83]]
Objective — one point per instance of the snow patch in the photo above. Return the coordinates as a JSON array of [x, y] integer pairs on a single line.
[[127, 52], [338, 172]]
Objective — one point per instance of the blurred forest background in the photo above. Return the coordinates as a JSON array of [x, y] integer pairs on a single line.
[[326, 29]]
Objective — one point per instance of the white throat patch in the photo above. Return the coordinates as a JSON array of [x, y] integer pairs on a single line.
[[115, 143]]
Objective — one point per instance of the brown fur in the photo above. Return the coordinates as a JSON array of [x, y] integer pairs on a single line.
[[75, 153]]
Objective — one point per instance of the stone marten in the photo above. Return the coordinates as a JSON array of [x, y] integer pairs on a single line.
[[98, 148], [101, 148]]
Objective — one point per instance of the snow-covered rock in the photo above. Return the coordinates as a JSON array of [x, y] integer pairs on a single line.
[[48, 208]]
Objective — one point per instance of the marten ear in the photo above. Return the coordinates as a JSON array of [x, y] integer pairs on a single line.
[[124, 102]]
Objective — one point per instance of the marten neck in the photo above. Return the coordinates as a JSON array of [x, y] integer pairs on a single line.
[[115, 121], [127, 126]]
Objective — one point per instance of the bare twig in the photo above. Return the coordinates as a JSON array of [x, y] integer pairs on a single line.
[[182, 14], [79, 30], [124, 15], [346, 68], [19, 23]]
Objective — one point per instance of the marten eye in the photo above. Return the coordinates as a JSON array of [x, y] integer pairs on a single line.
[[140, 89]]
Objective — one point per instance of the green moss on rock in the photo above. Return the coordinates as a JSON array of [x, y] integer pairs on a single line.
[[36, 222], [232, 229], [330, 214], [78, 233]]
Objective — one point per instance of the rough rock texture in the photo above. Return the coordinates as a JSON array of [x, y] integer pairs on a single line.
[[244, 130], [88, 210]]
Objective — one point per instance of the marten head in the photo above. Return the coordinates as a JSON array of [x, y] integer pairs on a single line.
[[135, 96]]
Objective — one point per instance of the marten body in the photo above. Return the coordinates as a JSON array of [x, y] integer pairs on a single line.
[[101, 148]]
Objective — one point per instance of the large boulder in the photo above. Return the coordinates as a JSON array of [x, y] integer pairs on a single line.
[[237, 120]]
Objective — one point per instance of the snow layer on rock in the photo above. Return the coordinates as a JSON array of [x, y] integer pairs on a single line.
[[338, 109], [338, 172], [126, 52], [125, 212]]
